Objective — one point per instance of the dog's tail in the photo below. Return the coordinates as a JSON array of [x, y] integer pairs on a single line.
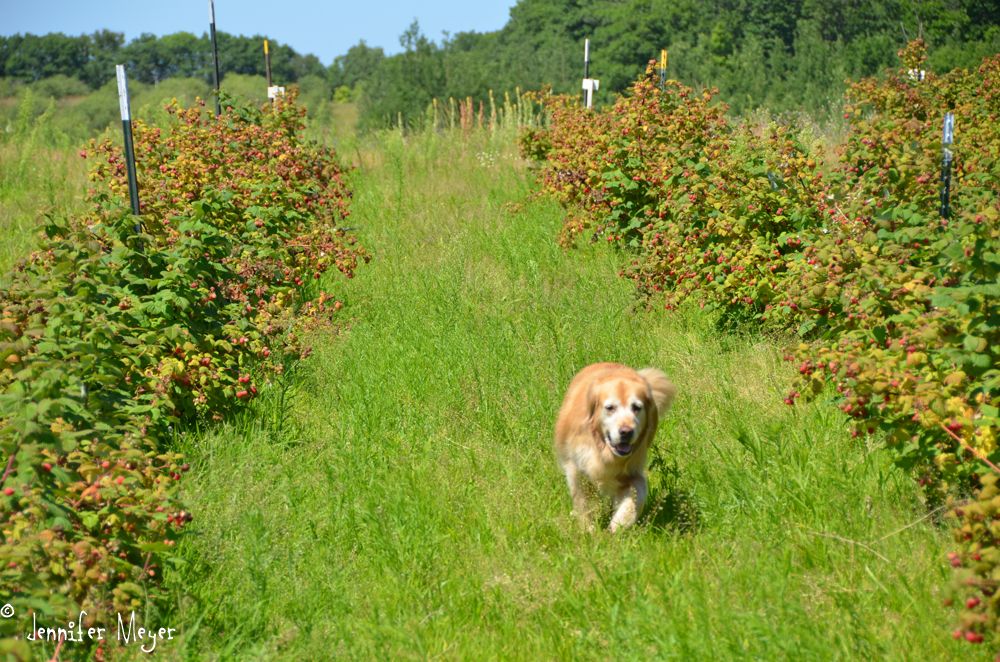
[[663, 389]]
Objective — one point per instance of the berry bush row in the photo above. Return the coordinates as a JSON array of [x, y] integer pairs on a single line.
[[895, 305], [113, 337]]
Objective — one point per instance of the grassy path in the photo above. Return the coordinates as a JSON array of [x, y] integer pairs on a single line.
[[407, 505], [33, 177]]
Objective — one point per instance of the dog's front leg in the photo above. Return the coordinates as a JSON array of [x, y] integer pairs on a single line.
[[628, 503], [578, 490]]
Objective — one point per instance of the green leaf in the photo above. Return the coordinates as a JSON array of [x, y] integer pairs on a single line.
[[90, 519], [972, 343], [942, 301], [980, 360], [155, 547]]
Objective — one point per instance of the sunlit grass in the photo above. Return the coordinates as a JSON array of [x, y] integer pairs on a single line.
[[35, 178], [397, 496]]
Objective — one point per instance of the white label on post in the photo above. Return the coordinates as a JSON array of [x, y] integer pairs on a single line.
[[591, 84], [948, 133], [586, 50], [211, 12], [274, 92], [122, 92]]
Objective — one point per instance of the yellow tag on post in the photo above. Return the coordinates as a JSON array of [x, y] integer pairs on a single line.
[[663, 59]]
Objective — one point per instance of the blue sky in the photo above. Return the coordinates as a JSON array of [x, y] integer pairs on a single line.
[[326, 29]]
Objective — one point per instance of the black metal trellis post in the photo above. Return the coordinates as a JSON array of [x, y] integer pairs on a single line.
[[947, 138], [215, 54], [133, 183]]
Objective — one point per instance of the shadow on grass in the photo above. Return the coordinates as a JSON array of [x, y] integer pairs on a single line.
[[738, 321], [670, 511], [669, 507]]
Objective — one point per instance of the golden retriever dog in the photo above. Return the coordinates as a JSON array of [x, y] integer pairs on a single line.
[[604, 430]]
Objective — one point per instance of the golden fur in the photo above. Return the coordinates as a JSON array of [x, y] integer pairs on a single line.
[[605, 428]]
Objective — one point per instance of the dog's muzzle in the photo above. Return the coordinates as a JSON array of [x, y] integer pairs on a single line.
[[624, 447]]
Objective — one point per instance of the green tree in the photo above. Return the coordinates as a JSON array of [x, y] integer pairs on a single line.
[[104, 55], [33, 58], [404, 83], [358, 64]]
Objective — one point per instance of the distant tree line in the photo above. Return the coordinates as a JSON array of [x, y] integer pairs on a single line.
[[788, 55], [149, 59]]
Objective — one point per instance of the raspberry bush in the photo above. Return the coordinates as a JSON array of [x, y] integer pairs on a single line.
[[896, 307], [112, 340]]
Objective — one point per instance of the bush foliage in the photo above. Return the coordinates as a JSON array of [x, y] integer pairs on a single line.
[[896, 305], [113, 339]]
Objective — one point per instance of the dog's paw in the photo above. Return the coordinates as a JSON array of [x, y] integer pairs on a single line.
[[617, 525], [584, 521]]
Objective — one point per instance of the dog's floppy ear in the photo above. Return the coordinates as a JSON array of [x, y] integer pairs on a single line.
[[662, 388], [591, 401]]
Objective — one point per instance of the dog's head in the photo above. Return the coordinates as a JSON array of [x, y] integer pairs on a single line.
[[623, 411]]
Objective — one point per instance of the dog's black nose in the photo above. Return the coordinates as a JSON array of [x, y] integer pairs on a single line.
[[625, 433]]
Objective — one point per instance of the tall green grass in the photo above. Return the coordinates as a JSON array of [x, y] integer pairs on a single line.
[[39, 170], [396, 496]]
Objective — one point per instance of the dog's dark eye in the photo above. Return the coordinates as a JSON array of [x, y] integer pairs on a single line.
[[637, 406], [609, 407]]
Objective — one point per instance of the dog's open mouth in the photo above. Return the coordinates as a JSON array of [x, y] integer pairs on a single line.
[[623, 449]]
